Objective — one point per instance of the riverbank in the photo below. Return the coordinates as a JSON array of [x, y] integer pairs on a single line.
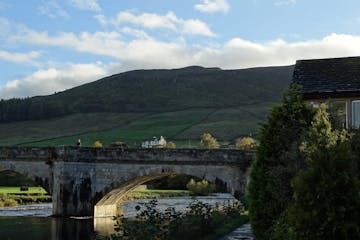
[[155, 194], [13, 196]]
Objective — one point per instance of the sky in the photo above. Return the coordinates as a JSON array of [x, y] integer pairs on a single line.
[[48, 46]]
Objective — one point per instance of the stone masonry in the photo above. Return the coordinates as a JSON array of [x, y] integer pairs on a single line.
[[79, 177]]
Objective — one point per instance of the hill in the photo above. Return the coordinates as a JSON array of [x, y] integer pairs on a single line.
[[179, 104]]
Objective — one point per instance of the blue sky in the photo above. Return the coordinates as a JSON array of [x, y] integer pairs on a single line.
[[52, 45]]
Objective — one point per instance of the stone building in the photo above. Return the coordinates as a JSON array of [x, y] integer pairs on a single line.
[[335, 81]]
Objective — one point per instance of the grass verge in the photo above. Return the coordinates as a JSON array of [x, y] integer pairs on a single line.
[[12, 196], [154, 194]]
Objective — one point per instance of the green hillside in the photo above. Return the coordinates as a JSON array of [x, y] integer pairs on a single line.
[[179, 104]]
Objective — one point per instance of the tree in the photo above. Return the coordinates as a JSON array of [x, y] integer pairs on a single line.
[[97, 144], [208, 141], [326, 203], [245, 143], [170, 145], [277, 161]]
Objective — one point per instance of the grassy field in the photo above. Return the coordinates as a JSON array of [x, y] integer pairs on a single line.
[[17, 191], [10, 193], [155, 194], [183, 127], [12, 196], [29, 132]]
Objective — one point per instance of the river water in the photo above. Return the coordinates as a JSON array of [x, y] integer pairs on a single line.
[[33, 222]]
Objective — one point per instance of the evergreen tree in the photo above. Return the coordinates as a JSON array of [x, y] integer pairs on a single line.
[[326, 203], [278, 160]]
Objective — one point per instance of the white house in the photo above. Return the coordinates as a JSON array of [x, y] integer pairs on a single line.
[[154, 142]]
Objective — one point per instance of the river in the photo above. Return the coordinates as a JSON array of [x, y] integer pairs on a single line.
[[34, 221]]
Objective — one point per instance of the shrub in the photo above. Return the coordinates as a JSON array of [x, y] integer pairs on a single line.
[[246, 143], [170, 144], [326, 202], [208, 141], [199, 222], [97, 144], [202, 187], [6, 201], [10, 202]]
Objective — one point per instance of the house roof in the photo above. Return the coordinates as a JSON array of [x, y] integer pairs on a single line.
[[328, 76]]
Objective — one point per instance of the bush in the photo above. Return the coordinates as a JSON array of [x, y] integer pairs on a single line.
[[208, 141], [170, 145], [199, 222], [97, 144], [202, 187], [6, 201], [326, 202], [246, 143], [277, 161]]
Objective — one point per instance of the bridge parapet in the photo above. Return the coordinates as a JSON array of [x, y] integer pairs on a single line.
[[201, 156], [28, 153], [89, 154]]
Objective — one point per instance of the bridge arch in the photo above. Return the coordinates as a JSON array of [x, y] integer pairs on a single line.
[[33, 163], [232, 177]]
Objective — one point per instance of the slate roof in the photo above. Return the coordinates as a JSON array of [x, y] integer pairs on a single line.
[[328, 76]]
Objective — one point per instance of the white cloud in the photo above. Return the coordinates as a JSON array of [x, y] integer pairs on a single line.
[[147, 20], [99, 43], [135, 33], [52, 80], [91, 5], [101, 19], [19, 57], [211, 6], [52, 9], [194, 26], [155, 21], [285, 2]]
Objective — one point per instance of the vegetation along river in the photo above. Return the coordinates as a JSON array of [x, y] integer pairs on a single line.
[[34, 221]]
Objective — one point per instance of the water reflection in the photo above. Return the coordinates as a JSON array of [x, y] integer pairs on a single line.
[[104, 226], [45, 228]]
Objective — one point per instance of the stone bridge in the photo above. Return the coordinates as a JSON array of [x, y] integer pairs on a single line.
[[80, 178]]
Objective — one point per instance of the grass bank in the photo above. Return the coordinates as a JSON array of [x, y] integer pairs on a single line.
[[12, 196], [154, 194]]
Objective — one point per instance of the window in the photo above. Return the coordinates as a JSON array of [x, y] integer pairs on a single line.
[[337, 111], [356, 113]]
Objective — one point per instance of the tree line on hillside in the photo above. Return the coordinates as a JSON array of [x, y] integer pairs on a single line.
[[29, 109]]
